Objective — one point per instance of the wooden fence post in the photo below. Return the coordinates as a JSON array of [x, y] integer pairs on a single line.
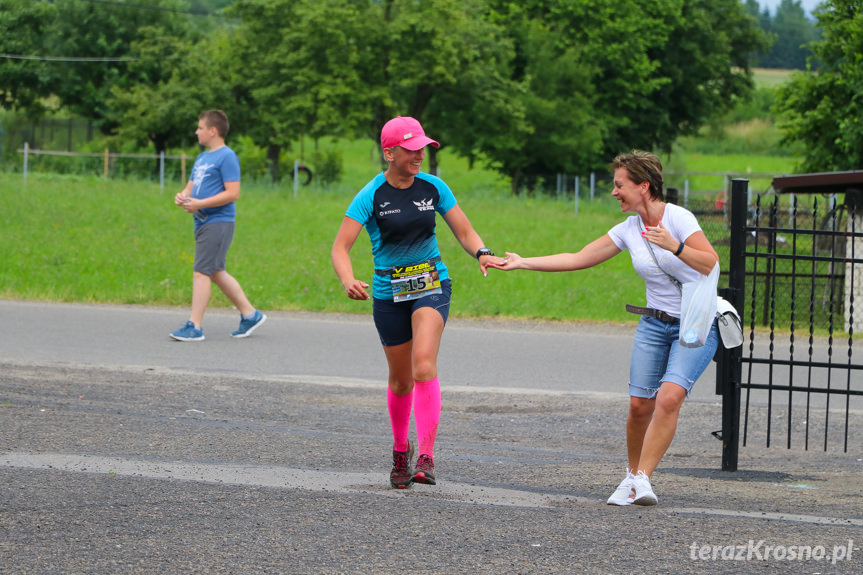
[[106, 163], [183, 169]]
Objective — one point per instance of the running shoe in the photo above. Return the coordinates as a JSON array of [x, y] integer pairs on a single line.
[[400, 476], [424, 470], [643, 492], [247, 326], [622, 494], [188, 333]]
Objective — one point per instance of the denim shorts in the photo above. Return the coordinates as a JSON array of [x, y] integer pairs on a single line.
[[393, 319], [657, 357], [212, 242]]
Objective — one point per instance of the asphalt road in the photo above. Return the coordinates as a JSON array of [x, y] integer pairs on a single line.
[[539, 356], [124, 452]]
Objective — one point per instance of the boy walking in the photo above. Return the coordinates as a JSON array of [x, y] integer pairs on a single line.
[[209, 196]]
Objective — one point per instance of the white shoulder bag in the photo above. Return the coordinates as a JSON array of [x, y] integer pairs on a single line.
[[729, 324]]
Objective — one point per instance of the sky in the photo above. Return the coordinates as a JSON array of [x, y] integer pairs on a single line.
[[808, 5]]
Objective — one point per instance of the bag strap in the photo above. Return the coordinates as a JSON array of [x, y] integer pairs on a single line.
[[673, 279]]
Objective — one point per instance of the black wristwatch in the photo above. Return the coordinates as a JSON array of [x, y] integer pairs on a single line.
[[484, 252]]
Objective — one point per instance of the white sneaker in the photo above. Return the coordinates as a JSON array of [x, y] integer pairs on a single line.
[[643, 492], [622, 494]]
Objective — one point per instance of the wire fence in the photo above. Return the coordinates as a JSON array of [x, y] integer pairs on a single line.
[[169, 167], [108, 162]]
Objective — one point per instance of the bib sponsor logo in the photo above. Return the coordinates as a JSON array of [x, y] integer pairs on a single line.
[[410, 269]]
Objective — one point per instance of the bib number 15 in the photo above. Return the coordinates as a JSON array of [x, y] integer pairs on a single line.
[[414, 282]]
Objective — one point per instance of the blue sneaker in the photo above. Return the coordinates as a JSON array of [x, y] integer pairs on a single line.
[[188, 333], [247, 326]]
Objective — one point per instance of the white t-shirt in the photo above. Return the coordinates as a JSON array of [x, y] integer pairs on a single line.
[[662, 294]]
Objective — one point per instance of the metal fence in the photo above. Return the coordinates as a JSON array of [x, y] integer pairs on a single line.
[[794, 267], [301, 175], [107, 159]]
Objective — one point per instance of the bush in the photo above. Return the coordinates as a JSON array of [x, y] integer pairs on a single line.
[[758, 107], [757, 136], [329, 165], [253, 159]]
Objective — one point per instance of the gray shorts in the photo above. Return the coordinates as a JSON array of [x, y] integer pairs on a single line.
[[212, 242]]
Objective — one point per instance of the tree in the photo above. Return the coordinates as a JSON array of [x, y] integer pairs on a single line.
[[447, 64], [753, 8], [532, 87], [207, 6], [635, 73], [823, 111], [317, 68], [106, 33], [703, 70], [297, 67], [792, 32], [547, 126], [25, 81], [161, 109]]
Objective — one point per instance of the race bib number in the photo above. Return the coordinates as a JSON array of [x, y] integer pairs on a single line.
[[416, 281]]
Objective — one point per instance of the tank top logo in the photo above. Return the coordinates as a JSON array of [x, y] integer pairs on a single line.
[[424, 205]]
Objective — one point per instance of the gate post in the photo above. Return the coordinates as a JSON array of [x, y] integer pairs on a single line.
[[729, 367]]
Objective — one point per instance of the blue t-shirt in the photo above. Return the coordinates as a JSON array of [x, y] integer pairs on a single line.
[[401, 224], [209, 174]]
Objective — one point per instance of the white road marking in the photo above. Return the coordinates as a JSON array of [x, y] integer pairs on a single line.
[[815, 519], [283, 477], [344, 482]]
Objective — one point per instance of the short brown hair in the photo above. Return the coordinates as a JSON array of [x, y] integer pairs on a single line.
[[642, 167], [216, 119]]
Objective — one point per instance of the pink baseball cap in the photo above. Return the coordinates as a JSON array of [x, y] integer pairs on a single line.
[[406, 132]]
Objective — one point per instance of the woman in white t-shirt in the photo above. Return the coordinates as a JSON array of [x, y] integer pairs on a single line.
[[661, 372]]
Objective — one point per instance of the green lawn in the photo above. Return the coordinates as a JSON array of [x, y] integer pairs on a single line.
[[85, 239], [88, 240], [770, 78], [758, 169]]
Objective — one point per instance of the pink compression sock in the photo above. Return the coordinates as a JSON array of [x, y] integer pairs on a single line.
[[400, 417], [427, 407]]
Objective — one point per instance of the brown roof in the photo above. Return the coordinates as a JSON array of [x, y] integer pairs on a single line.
[[821, 183]]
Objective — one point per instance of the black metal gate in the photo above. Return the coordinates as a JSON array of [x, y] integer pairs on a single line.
[[791, 277]]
